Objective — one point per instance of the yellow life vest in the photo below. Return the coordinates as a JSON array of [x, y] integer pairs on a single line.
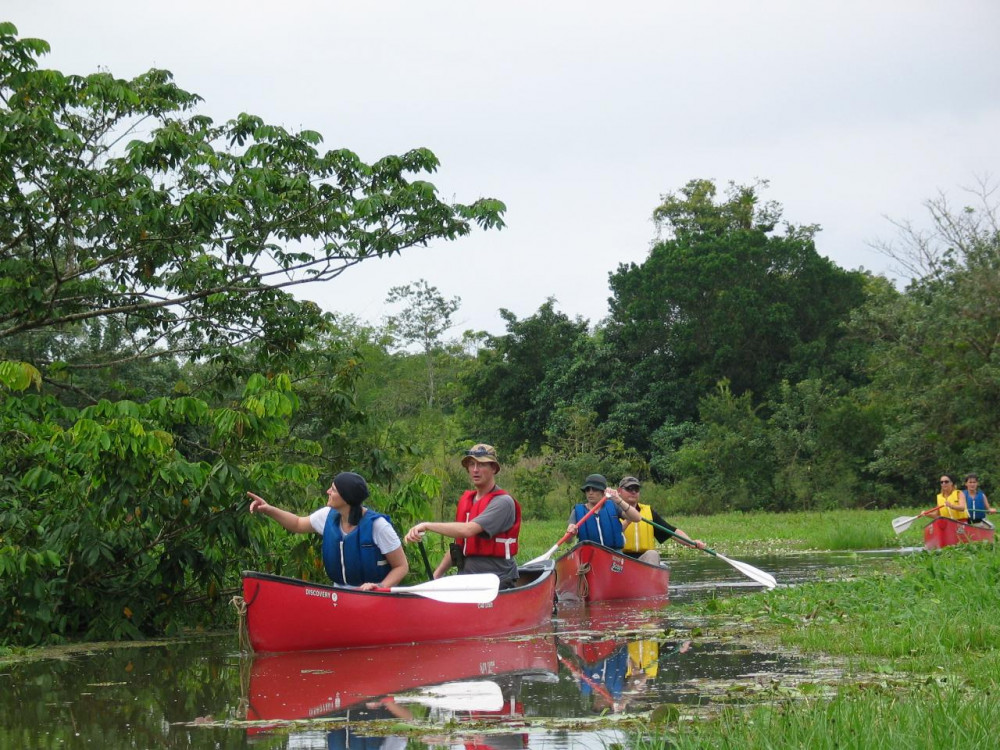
[[955, 498], [639, 536]]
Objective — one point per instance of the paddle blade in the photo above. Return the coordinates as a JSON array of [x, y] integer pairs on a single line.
[[901, 524], [474, 588], [762, 577], [478, 695], [547, 555]]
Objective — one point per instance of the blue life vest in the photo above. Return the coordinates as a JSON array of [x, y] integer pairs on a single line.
[[604, 527], [975, 505], [362, 562]]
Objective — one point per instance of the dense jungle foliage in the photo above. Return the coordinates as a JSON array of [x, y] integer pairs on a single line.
[[155, 365]]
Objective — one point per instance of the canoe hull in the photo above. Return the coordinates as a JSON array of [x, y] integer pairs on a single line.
[[286, 614], [593, 573], [944, 532]]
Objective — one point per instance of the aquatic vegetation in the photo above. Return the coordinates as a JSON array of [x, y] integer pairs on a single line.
[[862, 718], [919, 645]]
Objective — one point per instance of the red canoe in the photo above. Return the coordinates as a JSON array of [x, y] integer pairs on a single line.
[[944, 532], [286, 614], [590, 572], [313, 684]]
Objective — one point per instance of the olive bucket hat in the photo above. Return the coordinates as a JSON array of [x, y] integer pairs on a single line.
[[483, 454]]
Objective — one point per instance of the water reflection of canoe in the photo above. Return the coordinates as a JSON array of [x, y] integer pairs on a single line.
[[312, 684], [944, 532], [591, 572]]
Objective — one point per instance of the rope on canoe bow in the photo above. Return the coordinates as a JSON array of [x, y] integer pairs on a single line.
[[582, 587], [243, 630]]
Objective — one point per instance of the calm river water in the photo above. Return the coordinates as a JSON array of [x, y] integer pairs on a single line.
[[543, 690]]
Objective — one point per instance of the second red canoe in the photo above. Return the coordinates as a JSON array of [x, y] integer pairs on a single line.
[[593, 573]]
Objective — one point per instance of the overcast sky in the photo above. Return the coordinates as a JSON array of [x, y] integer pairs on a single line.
[[580, 115]]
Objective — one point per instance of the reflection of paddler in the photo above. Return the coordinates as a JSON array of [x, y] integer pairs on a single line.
[[643, 656], [590, 680], [610, 672], [624, 672]]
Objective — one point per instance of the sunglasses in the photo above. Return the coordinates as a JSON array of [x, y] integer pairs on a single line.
[[479, 453], [945, 481], [631, 488]]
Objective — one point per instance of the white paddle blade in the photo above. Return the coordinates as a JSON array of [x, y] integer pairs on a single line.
[[479, 695], [542, 558], [762, 577], [901, 524], [475, 588]]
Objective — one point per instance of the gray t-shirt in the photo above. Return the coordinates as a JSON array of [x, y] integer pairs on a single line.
[[498, 517]]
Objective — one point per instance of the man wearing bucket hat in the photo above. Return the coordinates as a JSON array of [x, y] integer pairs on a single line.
[[360, 546], [486, 524], [641, 538], [605, 526]]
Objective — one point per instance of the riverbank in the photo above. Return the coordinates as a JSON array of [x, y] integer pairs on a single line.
[[918, 644]]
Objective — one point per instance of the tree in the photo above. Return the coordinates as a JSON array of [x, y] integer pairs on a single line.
[[724, 297], [514, 388], [424, 319], [726, 462], [119, 201], [123, 519], [934, 349], [133, 229]]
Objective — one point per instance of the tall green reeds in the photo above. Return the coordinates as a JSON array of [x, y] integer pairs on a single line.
[[932, 621], [855, 719]]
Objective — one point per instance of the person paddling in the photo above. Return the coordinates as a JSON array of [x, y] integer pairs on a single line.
[[605, 526], [486, 526], [641, 538], [360, 547], [976, 502], [950, 502]]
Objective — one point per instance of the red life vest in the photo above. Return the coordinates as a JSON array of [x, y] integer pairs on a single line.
[[503, 544]]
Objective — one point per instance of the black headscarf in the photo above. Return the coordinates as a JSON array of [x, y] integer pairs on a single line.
[[354, 489]]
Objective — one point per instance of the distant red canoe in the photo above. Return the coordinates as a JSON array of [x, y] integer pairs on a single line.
[[317, 683], [590, 572], [286, 614], [944, 532]]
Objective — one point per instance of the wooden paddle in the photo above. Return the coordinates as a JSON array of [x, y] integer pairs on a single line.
[[760, 576], [901, 524], [473, 588], [567, 535]]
